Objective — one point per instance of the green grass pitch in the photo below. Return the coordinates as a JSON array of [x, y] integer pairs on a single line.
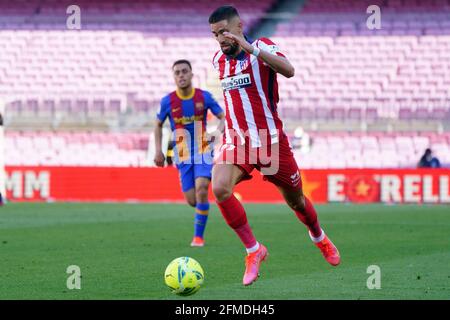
[[123, 249]]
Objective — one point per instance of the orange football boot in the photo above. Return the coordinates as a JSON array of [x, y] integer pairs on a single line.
[[197, 242], [329, 251], [252, 262]]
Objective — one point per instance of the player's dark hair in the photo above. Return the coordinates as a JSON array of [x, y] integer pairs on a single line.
[[182, 61], [223, 13]]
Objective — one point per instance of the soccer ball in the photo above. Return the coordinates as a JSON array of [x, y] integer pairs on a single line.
[[184, 276]]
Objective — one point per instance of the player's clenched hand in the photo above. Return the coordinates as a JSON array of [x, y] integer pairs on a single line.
[[241, 40], [159, 159]]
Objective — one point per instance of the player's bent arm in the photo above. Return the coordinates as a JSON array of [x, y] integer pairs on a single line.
[[159, 156], [221, 126], [214, 136], [277, 63]]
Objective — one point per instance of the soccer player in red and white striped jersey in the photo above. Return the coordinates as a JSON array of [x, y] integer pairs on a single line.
[[254, 137]]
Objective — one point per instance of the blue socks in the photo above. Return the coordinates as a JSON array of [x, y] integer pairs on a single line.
[[201, 217]]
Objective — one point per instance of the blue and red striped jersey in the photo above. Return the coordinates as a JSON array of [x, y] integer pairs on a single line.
[[187, 116]]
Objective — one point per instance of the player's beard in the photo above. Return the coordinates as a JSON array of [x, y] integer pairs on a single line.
[[234, 47]]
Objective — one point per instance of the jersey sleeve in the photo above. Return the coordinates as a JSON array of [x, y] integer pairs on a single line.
[[164, 109], [212, 104], [215, 62], [269, 46]]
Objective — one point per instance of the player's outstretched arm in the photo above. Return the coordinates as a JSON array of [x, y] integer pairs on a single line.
[[159, 155], [277, 63]]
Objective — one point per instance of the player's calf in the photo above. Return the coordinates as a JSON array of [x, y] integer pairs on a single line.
[[304, 210], [190, 197], [201, 211], [201, 218]]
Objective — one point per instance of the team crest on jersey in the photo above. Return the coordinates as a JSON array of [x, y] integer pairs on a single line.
[[199, 105], [243, 64]]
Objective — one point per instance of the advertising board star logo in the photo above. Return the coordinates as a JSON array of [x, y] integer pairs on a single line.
[[362, 188], [309, 186]]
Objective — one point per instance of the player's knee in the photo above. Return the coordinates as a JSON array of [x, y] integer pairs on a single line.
[[201, 193], [192, 202], [221, 192]]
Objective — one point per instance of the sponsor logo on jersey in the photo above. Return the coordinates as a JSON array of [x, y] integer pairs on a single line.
[[295, 178], [187, 120], [236, 82]]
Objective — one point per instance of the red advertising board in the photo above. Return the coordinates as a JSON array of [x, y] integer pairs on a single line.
[[156, 184]]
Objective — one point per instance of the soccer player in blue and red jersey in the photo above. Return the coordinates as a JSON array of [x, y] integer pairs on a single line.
[[187, 108]]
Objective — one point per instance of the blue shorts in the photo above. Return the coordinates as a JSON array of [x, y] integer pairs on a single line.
[[190, 171]]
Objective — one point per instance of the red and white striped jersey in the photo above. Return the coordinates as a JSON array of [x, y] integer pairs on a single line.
[[250, 92]]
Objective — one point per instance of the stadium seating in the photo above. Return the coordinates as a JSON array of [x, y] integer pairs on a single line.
[[348, 18], [362, 77], [94, 67], [344, 72], [76, 149], [158, 17], [121, 58], [371, 150], [348, 150], [356, 77]]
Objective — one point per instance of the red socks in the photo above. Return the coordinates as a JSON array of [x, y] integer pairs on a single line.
[[309, 218], [246, 235], [234, 214]]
